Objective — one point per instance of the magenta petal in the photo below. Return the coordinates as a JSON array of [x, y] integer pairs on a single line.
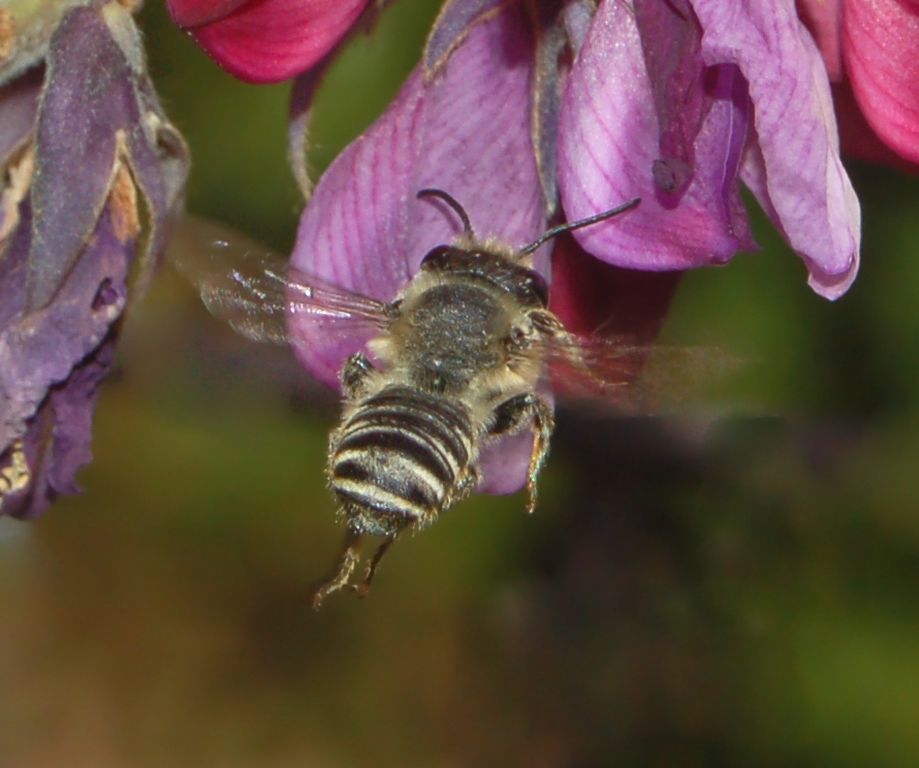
[[610, 147], [882, 59], [801, 181], [192, 13], [265, 41], [467, 132]]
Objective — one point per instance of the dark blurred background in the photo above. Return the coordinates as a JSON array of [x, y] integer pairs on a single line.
[[735, 587]]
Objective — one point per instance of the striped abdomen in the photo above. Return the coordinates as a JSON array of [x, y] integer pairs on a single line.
[[399, 458]]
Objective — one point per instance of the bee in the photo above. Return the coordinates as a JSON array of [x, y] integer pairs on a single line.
[[454, 362]]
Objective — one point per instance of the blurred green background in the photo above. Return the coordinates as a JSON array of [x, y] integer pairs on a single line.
[[738, 590]]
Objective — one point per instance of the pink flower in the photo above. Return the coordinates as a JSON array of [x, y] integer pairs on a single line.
[[870, 48], [264, 41], [518, 114]]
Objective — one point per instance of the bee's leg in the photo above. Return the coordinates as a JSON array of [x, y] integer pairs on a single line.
[[354, 375], [364, 587], [347, 562], [467, 483], [509, 417], [543, 424]]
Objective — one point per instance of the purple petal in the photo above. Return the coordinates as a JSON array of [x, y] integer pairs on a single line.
[[641, 117], [40, 350], [95, 88], [18, 103], [466, 131], [57, 442], [795, 172], [450, 29]]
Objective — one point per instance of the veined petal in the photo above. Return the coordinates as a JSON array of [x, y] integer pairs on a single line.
[[881, 50], [264, 41], [801, 181], [619, 138], [466, 131]]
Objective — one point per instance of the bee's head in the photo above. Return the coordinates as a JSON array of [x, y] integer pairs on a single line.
[[526, 285], [486, 261]]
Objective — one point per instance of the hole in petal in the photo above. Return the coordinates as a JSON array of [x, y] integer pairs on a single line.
[[105, 296], [671, 178]]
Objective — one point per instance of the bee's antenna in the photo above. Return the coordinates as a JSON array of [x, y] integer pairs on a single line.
[[451, 201], [569, 226]]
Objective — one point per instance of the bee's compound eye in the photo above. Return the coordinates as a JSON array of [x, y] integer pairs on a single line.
[[437, 257], [538, 286]]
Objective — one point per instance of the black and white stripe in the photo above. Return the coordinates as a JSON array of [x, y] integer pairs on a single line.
[[400, 456]]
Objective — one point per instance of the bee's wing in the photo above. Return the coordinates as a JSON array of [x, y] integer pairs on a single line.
[[258, 294], [638, 378]]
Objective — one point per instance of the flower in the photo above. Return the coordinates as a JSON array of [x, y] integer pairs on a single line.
[[870, 53], [519, 111], [264, 41], [83, 144]]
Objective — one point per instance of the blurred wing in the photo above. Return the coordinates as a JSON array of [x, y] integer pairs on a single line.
[[256, 292], [639, 378]]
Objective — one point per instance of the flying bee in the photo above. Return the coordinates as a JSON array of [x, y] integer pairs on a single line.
[[453, 363]]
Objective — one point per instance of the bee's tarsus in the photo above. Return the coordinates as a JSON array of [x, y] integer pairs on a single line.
[[347, 562], [372, 565]]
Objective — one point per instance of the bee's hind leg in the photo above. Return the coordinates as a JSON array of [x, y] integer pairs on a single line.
[[347, 562], [509, 417], [364, 587]]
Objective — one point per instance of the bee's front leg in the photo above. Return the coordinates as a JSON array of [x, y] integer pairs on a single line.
[[354, 375], [510, 415]]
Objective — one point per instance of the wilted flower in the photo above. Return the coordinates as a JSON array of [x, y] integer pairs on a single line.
[[870, 54], [88, 155], [521, 108], [263, 41]]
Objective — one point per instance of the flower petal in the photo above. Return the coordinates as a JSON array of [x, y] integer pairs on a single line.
[[193, 13], [881, 50], [590, 296], [623, 134], [41, 351], [263, 41], [450, 29], [18, 103], [796, 172], [97, 105], [466, 132], [57, 442], [824, 20]]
